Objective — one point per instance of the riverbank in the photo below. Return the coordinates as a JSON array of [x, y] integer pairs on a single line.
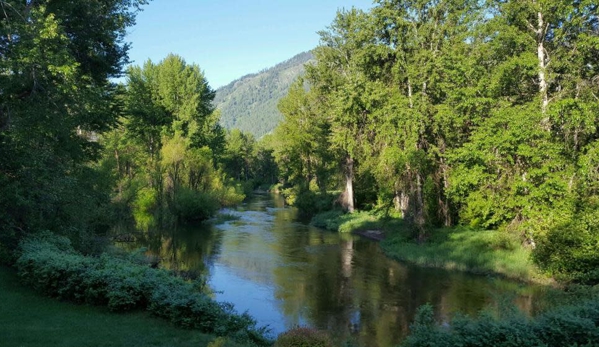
[[476, 251], [29, 319]]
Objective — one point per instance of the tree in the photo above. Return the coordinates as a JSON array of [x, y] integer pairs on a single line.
[[55, 62], [238, 155], [173, 98], [304, 152], [337, 78], [170, 143]]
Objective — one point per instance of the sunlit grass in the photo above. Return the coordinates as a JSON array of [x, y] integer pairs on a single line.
[[357, 221], [28, 319], [458, 248], [476, 251]]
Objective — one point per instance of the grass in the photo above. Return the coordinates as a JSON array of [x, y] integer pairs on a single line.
[[457, 248], [28, 319], [352, 222], [462, 249]]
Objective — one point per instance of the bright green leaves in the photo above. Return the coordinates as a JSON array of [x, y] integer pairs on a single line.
[[169, 143], [172, 98], [482, 113], [303, 150], [509, 171]]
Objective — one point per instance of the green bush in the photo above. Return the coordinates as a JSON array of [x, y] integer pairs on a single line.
[[50, 265], [572, 325], [330, 220], [303, 337], [569, 252], [308, 202], [230, 195], [144, 208], [503, 240], [194, 206]]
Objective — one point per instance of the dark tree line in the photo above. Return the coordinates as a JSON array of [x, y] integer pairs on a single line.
[[56, 58]]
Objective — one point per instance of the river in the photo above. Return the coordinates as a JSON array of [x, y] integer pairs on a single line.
[[287, 273]]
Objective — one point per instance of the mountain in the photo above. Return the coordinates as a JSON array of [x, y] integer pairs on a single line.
[[250, 102]]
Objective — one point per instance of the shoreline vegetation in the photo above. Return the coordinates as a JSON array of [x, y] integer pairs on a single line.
[[475, 129], [124, 283], [30, 319], [483, 252]]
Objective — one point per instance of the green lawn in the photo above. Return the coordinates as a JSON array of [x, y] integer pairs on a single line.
[[28, 319]]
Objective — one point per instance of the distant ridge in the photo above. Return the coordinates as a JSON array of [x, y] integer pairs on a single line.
[[250, 102]]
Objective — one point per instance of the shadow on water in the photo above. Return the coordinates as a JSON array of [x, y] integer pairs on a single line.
[[286, 273]]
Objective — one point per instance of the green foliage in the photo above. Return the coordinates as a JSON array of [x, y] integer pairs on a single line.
[[238, 154], [50, 265], [34, 320], [144, 208], [455, 113], [303, 337], [172, 98], [190, 205], [57, 57], [310, 202], [362, 221], [478, 251], [302, 147], [330, 220], [164, 156], [568, 325], [249, 162], [569, 251], [218, 342]]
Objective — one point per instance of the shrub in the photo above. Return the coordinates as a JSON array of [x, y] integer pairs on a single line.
[[309, 202], [571, 325], [49, 264], [303, 337], [330, 220], [569, 251], [193, 206], [144, 207]]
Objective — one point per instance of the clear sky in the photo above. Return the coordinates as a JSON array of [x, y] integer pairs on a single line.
[[231, 38]]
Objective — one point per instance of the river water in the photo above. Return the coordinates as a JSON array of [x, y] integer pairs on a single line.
[[287, 274]]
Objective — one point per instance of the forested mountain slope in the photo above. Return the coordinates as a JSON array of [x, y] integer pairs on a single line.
[[250, 103]]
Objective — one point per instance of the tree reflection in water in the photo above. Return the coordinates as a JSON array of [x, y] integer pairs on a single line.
[[286, 273]]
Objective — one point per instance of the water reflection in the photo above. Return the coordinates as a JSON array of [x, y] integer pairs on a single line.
[[286, 273]]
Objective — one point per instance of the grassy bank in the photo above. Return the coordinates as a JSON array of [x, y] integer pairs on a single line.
[[458, 248], [358, 221], [29, 319], [480, 251]]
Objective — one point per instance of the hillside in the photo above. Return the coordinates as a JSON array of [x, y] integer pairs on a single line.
[[250, 103]]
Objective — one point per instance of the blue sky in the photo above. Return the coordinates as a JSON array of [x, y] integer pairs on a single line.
[[231, 38]]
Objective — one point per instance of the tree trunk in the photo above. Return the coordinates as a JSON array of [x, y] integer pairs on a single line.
[[444, 201], [401, 200], [419, 208], [349, 184], [542, 57]]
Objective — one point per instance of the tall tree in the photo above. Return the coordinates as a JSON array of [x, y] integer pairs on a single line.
[[304, 154], [338, 80], [175, 98], [55, 60]]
